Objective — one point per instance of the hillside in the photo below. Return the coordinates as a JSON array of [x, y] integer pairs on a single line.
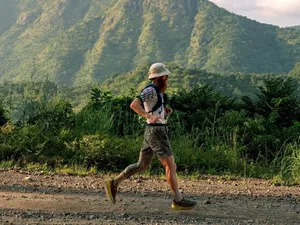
[[235, 84], [296, 27], [81, 42], [295, 72]]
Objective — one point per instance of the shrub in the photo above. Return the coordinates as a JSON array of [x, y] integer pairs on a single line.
[[105, 152]]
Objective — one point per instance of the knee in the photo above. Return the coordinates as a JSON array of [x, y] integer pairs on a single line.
[[142, 166], [171, 166]]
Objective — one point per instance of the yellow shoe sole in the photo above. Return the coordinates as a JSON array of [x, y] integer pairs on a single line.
[[179, 207]]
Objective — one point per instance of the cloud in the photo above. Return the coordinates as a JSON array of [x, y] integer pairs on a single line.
[[278, 7], [277, 12], [237, 5]]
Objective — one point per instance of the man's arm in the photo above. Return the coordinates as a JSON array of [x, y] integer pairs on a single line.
[[136, 105]]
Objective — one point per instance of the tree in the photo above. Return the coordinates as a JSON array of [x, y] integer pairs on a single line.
[[278, 98], [3, 118]]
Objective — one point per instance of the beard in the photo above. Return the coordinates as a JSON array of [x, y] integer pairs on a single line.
[[162, 85]]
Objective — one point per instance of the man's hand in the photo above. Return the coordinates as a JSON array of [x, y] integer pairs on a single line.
[[153, 118], [168, 111]]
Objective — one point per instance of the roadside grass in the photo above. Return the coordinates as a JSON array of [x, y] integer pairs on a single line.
[[100, 155], [289, 166], [193, 162], [37, 167], [7, 164], [286, 178], [76, 170]]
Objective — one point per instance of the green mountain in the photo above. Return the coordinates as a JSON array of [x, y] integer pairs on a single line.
[[85, 41]]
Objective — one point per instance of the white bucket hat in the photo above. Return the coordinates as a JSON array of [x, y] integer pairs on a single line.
[[158, 70]]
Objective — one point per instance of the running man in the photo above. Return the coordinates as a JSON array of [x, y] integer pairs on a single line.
[[150, 105]]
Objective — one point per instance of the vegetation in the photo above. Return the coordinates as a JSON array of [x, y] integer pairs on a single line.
[[209, 132], [229, 84], [65, 87], [295, 72], [84, 42]]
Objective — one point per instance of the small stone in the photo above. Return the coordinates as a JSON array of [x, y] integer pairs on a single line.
[[28, 179], [206, 202]]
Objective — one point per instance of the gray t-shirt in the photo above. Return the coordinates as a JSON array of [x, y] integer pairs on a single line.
[[149, 98]]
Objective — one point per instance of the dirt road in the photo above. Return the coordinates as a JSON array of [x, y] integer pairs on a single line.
[[39, 198]]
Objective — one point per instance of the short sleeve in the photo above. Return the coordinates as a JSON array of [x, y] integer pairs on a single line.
[[148, 93]]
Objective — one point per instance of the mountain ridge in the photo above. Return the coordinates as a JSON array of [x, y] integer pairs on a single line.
[[81, 42]]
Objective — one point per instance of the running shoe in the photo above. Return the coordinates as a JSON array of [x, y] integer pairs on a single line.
[[111, 191], [184, 204]]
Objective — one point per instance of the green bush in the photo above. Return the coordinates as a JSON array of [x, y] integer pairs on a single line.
[[105, 152]]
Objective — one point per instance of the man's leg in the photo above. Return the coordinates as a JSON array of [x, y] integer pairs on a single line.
[[171, 176], [179, 203], [145, 159], [143, 164]]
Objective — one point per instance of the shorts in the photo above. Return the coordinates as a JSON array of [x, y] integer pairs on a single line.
[[156, 141]]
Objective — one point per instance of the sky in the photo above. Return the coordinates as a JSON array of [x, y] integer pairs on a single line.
[[282, 13]]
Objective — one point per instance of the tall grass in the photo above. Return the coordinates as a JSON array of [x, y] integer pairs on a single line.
[[89, 121], [289, 165]]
